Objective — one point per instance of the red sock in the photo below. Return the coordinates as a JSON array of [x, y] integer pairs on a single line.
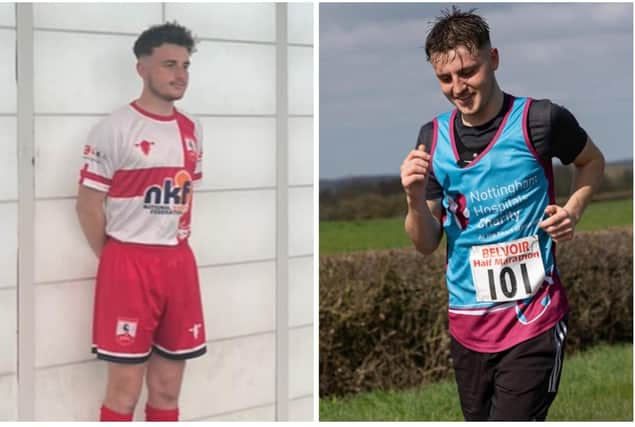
[[154, 414], [107, 414]]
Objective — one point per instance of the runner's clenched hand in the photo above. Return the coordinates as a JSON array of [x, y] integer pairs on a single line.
[[560, 225], [414, 172]]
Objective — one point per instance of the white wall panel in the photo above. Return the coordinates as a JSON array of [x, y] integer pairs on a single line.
[[263, 413], [300, 362], [300, 80], [59, 141], [70, 393], [9, 401], [234, 374], [238, 152], [238, 299], [233, 226], [115, 17], [300, 24], [63, 336], [301, 409], [61, 251], [300, 150], [7, 72], [300, 221], [300, 291], [100, 81], [7, 14], [9, 159], [230, 78], [8, 331], [236, 21], [9, 247]]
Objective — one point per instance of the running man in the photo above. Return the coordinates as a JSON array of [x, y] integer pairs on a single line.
[[134, 205], [482, 173]]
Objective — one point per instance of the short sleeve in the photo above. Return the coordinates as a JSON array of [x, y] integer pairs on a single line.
[[99, 158], [434, 191], [198, 169]]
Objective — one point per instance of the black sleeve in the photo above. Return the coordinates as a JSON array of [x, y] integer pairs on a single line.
[[554, 131], [433, 190]]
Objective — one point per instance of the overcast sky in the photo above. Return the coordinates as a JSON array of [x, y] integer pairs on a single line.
[[377, 89]]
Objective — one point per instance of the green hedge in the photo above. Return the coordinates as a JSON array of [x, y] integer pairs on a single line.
[[383, 314]]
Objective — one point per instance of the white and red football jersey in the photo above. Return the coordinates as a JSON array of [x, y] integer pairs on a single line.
[[147, 164]]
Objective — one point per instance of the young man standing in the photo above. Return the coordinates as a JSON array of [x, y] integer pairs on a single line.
[[134, 206], [482, 173]]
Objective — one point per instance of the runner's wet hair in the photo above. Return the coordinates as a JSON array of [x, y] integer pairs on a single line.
[[456, 28], [170, 32]]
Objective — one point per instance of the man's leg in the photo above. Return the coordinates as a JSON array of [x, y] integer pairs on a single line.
[[528, 376], [164, 380], [122, 391], [474, 379]]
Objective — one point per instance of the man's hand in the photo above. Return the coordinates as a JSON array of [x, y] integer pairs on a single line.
[[560, 225], [414, 173]]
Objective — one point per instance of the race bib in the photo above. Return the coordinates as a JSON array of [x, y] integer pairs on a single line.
[[507, 271]]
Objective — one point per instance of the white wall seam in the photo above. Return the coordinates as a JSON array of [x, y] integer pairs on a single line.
[[26, 211], [282, 220], [212, 341], [127, 34]]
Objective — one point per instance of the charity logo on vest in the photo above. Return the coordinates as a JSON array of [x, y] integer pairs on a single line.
[[499, 205], [171, 198]]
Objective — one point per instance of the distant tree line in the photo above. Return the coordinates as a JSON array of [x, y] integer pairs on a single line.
[[383, 197]]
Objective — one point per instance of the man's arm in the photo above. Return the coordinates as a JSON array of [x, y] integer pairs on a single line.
[[423, 225], [90, 211], [589, 171], [423, 221]]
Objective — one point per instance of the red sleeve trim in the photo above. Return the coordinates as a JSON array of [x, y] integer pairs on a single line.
[[85, 174]]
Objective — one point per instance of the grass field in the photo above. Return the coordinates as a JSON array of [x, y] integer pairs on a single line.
[[596, 385], [350, 236]]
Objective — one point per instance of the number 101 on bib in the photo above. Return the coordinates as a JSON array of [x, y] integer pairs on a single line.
[[507, 271]]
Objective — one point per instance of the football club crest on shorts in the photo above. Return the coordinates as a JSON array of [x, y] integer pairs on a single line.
[[126, 330]]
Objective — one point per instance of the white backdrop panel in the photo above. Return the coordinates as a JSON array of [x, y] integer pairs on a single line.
[[63, 335], [238, 299], [300, 221], [231, 78], [9, 401], [58, 153], [236, 21], [300, 150], [71, 392], [301, 409], [239, 152], [300, 16], [8, 331], [61, 251], [233, 226], [7, 72], [115, 17], [104, 79], [9, 159], [7, 14], [9, 248], [234, 374], [300, 362], [263, 413], [300, 291], [300, 80]]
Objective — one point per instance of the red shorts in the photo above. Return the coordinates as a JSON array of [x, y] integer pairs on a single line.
[[147, 299]]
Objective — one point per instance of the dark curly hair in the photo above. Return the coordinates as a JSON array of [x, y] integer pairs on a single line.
[[455, 28], [155, 36]]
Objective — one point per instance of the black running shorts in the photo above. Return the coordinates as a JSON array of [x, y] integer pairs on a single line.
[[518, 384]]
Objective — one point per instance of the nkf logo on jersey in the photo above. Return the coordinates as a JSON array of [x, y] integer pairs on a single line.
[[173, 197]]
